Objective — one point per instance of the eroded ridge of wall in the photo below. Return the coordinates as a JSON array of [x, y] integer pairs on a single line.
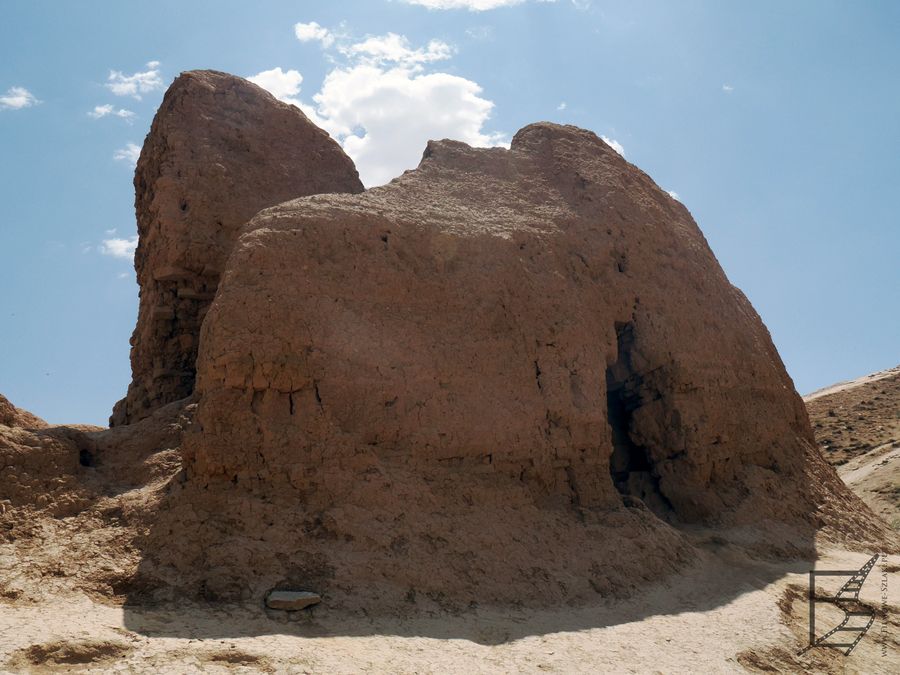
[[219, 150]]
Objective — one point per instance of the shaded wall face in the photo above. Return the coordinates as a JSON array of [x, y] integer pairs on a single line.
[[220, 149]]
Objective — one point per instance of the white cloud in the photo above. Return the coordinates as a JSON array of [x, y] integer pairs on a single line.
[[119, 248], [471, 5], [384, 117], [309, 32], [562, 106], [484, 5], [101, 111], [614, 144], [382, 105], [130, 153], [17, 98], [283, 85], [136, 84], [727, 88], [393, 48], [673, 194]]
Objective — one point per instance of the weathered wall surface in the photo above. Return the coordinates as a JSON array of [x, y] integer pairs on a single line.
[[497, 311]]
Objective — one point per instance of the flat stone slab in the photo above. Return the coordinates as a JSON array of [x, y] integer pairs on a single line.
[[292, 600]]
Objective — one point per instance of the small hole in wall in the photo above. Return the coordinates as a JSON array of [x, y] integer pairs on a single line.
[[85, 457], [183, 206]]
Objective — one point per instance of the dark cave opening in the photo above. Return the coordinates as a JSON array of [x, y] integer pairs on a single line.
[[630, 463]]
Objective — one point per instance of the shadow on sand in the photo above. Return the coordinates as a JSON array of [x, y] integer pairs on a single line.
[[722, 574]]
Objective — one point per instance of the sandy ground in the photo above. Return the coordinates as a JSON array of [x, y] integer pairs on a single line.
[[723, 615], [763, 628]]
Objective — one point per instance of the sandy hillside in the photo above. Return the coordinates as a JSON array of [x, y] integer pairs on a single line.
[[857, 426]]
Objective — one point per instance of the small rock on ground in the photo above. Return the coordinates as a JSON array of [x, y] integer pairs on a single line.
[[292, 600]]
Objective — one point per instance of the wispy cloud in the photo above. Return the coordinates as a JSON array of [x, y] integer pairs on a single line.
[[562, 106], [480, 32], [471, 5], [283, 85], [727, 88], [17, 98], [130, 153], [136, 84], [393, 48], [485, 5], [614, 144], [673, 194], [119, 248], [313, 32], [107, 110]]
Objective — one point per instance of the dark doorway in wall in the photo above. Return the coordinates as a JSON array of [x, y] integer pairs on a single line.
[[630, 464]]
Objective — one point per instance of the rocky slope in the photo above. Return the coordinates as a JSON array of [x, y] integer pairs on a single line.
[[220, 149], [857, 427]]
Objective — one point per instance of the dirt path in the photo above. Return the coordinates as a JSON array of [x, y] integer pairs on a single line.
[[857, 470], [875, 477]]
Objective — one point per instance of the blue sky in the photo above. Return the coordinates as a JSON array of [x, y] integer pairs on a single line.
[[776, 123]]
